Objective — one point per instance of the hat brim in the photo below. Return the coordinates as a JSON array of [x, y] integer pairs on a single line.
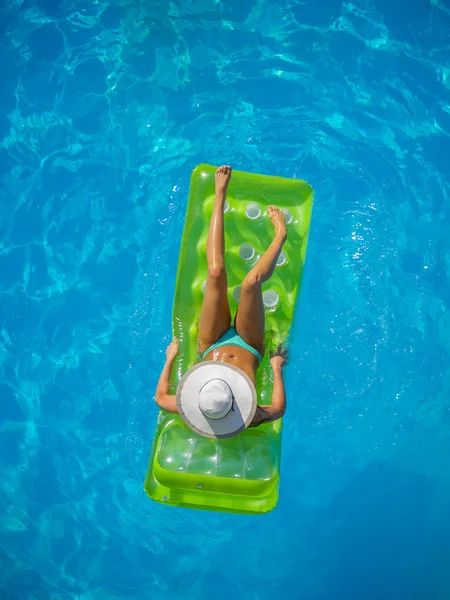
[[244, 392]]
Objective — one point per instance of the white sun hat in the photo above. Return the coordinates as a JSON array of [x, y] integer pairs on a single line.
[[216, 400]]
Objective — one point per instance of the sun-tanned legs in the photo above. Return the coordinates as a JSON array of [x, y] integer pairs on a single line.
[[250, 316], [215, 316]]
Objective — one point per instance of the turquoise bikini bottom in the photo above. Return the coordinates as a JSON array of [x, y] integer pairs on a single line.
[[232, 338]]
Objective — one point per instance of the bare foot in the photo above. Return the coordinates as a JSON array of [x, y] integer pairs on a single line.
[[277, 217], [223, 176]]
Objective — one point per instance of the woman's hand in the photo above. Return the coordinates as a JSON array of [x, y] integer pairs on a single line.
[[278, 358], [172, 349]]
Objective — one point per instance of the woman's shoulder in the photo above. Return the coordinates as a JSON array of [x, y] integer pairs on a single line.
[[260, 417]]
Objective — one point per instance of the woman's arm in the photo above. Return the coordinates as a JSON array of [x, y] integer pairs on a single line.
[[162, 397], [277, 409]]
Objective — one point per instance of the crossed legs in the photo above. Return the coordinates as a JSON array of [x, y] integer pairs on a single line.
[[215, 317]]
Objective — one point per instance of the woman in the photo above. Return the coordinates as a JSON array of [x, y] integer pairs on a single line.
[[234, 352]]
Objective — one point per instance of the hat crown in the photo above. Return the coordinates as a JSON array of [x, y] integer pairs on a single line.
[[215, 399]]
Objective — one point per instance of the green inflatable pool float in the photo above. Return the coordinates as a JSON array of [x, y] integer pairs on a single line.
[[239, 474]]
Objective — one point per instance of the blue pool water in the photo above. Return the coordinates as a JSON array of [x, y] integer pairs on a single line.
[[105, 108]]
